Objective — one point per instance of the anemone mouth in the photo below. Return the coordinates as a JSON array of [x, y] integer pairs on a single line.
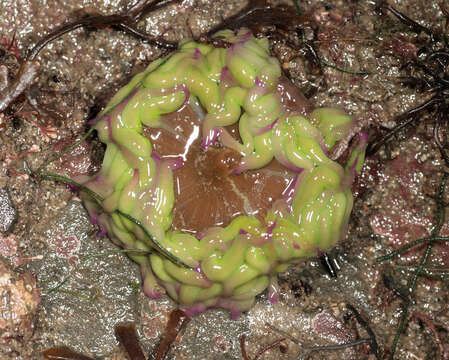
[[208, 191]]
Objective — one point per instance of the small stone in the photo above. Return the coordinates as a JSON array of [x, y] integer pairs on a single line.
[[7, 212]]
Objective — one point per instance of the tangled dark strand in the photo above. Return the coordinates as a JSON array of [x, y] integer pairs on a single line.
[[371, 339], [126, 22], [430, 241], [438, 84]]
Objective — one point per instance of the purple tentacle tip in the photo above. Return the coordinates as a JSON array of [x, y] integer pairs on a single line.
[[187, 92], [324, 148], [235, 314], [72, 188], [363, 136], [352, 169], [224, 73], [197, 54], [264, 129], [102, 233], [246, 36], [155, 156], [273, 296], [93, 219], [269, 234], [153, 295], [175, 164], [194, 310], [238, 170], [211, 138], [259, 83], [94, 121]]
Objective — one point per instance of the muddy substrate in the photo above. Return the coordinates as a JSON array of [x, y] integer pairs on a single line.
[[52, 234]]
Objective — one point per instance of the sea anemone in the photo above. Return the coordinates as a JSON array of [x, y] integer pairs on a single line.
[[213, 159]]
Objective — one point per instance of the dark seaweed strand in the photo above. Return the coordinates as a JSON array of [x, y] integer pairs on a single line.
[[430, 239], [66, 180], [403, 120], [177, 321], [328, 347], [434, 234], [268, 347], [338, 347], [436, 132], [367, 327], [138, 12], [261, 351], [438, 85], [162, 43], [283, 333], [391, 284], [90, 298], [64, 353], [412, 283], [406, 304], [243, 347], [126, 334], [161, 250], [412, 23], [97, 20], [258, 13], [437, 273], [122, 22], [347, 71]]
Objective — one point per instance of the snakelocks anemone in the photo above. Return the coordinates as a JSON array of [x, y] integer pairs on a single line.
[[215, 163]]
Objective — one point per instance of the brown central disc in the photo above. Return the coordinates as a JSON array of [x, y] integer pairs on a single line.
[[207, 193]]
